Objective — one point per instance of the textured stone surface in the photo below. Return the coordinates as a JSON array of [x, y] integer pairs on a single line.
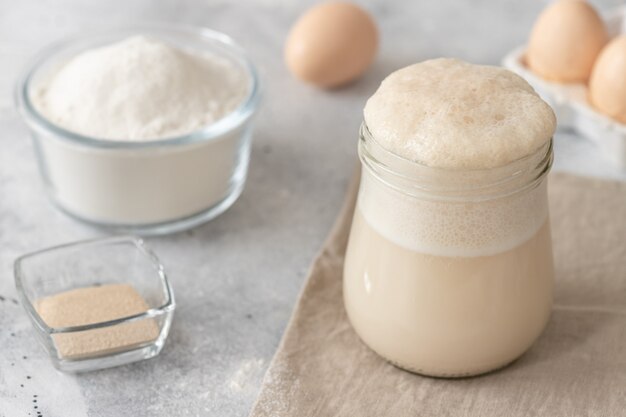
[[236, 278]]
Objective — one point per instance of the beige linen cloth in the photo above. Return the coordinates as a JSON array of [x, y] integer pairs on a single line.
[[576, 368]]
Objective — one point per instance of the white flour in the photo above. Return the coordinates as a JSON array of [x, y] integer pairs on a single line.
[[140, 88], [247, 375]]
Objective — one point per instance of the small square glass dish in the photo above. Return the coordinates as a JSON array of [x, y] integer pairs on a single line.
[[96, 304]]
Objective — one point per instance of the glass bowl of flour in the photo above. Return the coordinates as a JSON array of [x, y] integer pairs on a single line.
[[144, 130]]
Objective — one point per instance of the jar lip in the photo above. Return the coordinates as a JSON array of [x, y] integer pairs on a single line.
[[246, 108], [413, 177]]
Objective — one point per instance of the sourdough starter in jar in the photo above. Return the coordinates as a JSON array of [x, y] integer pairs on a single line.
[[449, 267]]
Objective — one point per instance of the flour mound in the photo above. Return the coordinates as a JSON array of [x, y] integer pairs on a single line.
[[141, 89]]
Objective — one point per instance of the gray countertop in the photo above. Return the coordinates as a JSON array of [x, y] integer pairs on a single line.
[[236, 278]]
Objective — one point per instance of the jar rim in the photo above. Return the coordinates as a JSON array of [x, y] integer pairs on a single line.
[[418, 179]]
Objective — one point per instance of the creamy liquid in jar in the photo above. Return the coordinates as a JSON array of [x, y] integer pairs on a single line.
[[452, 283]]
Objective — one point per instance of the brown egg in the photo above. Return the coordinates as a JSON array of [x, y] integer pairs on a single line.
[[331, 44], [607, 85], [565, 41]]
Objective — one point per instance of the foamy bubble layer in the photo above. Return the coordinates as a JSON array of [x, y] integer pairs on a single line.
[[459, 228], [446, 113]]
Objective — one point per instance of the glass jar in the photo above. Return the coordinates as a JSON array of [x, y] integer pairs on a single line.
[[449, 272]]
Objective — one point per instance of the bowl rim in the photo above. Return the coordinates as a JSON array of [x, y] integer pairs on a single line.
[[167, 307], [206, 133]]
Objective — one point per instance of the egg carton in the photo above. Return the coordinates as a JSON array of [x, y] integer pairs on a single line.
[[570, 103]]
